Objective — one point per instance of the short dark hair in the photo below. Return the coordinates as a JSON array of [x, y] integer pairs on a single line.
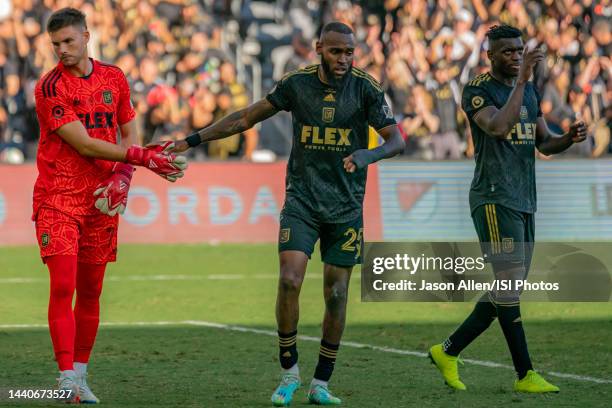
[[498, 32], [337, 27], [66, 17]]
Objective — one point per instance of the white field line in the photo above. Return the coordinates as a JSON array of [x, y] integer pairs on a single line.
[[134, 278], [351, 344]]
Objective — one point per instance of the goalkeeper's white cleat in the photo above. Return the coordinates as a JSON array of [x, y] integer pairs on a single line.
[[68, 388], [86, 396]]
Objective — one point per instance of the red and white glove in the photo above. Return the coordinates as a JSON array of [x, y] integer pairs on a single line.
[[112, 194], [158, 159]]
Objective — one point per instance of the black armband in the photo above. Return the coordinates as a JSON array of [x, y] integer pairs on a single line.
[[193, 140]]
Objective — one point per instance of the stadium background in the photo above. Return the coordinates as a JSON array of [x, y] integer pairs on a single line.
[[189, 63]]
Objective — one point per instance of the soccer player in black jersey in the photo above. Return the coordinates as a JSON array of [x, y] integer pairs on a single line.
[[503, 108], [332, 105]]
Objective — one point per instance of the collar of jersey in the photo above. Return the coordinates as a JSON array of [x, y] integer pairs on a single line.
[[93, 68]]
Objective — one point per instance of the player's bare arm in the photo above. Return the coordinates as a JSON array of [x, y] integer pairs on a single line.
[[393, 145], [129, 134], [498, 122], [75, 135], [549, 143], [236, 122]]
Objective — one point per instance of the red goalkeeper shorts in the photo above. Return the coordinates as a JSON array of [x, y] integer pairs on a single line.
[[92, 238]]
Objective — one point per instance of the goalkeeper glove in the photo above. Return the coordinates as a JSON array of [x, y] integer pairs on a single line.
[[158, 159], [112, 194]]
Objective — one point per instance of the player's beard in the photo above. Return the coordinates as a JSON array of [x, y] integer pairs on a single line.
[[71, 61], [331, 77], [75, 59]]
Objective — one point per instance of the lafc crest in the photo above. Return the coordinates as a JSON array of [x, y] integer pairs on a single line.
[[328, 114], [508, 245], [524, 113], [107, 97], [284, 235], [44, 239]]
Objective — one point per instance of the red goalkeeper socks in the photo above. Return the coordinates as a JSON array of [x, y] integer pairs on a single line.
[[73, 333], [62, 272], [87, 309]]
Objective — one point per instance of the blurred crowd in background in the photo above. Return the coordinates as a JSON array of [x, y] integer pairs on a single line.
[[190, 62]]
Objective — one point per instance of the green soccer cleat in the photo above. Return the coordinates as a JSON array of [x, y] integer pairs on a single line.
[[534, 383], [283, 395], [447, 366], [320, 395]]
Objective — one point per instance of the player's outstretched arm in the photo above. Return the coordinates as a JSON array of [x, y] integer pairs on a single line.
[[394, 145], [498, 122], [157, 158], [229, 125], [549, 143]]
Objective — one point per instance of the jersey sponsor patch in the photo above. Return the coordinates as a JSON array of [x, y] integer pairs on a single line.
[[58, 112], [477, 101], [388, 112]]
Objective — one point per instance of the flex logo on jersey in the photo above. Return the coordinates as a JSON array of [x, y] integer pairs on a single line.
[[525, 133], [329, 136], [107, 97], [328, 114], [97, 120]]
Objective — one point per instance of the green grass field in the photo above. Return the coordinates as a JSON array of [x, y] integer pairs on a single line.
[[181, 364]]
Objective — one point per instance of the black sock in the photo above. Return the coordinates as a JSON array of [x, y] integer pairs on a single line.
[[512, 326], [287, 354], [327, 359], [477, 322]]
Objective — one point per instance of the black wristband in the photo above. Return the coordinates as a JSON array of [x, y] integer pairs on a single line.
[[193, 140]]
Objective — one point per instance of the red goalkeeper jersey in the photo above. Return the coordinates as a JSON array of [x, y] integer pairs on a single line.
[[101, 101]]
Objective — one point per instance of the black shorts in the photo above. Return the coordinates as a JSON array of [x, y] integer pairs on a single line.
[[505, 234], [341, 243]]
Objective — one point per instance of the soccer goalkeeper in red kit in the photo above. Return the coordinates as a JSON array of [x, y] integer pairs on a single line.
[[83, 182]]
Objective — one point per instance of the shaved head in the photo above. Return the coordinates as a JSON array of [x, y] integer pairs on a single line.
[[336, 27]]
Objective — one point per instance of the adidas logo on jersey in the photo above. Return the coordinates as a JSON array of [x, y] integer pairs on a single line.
[[329, 98]]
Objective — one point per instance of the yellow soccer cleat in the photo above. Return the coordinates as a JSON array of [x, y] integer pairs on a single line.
[[535, 383], [447, 366]]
